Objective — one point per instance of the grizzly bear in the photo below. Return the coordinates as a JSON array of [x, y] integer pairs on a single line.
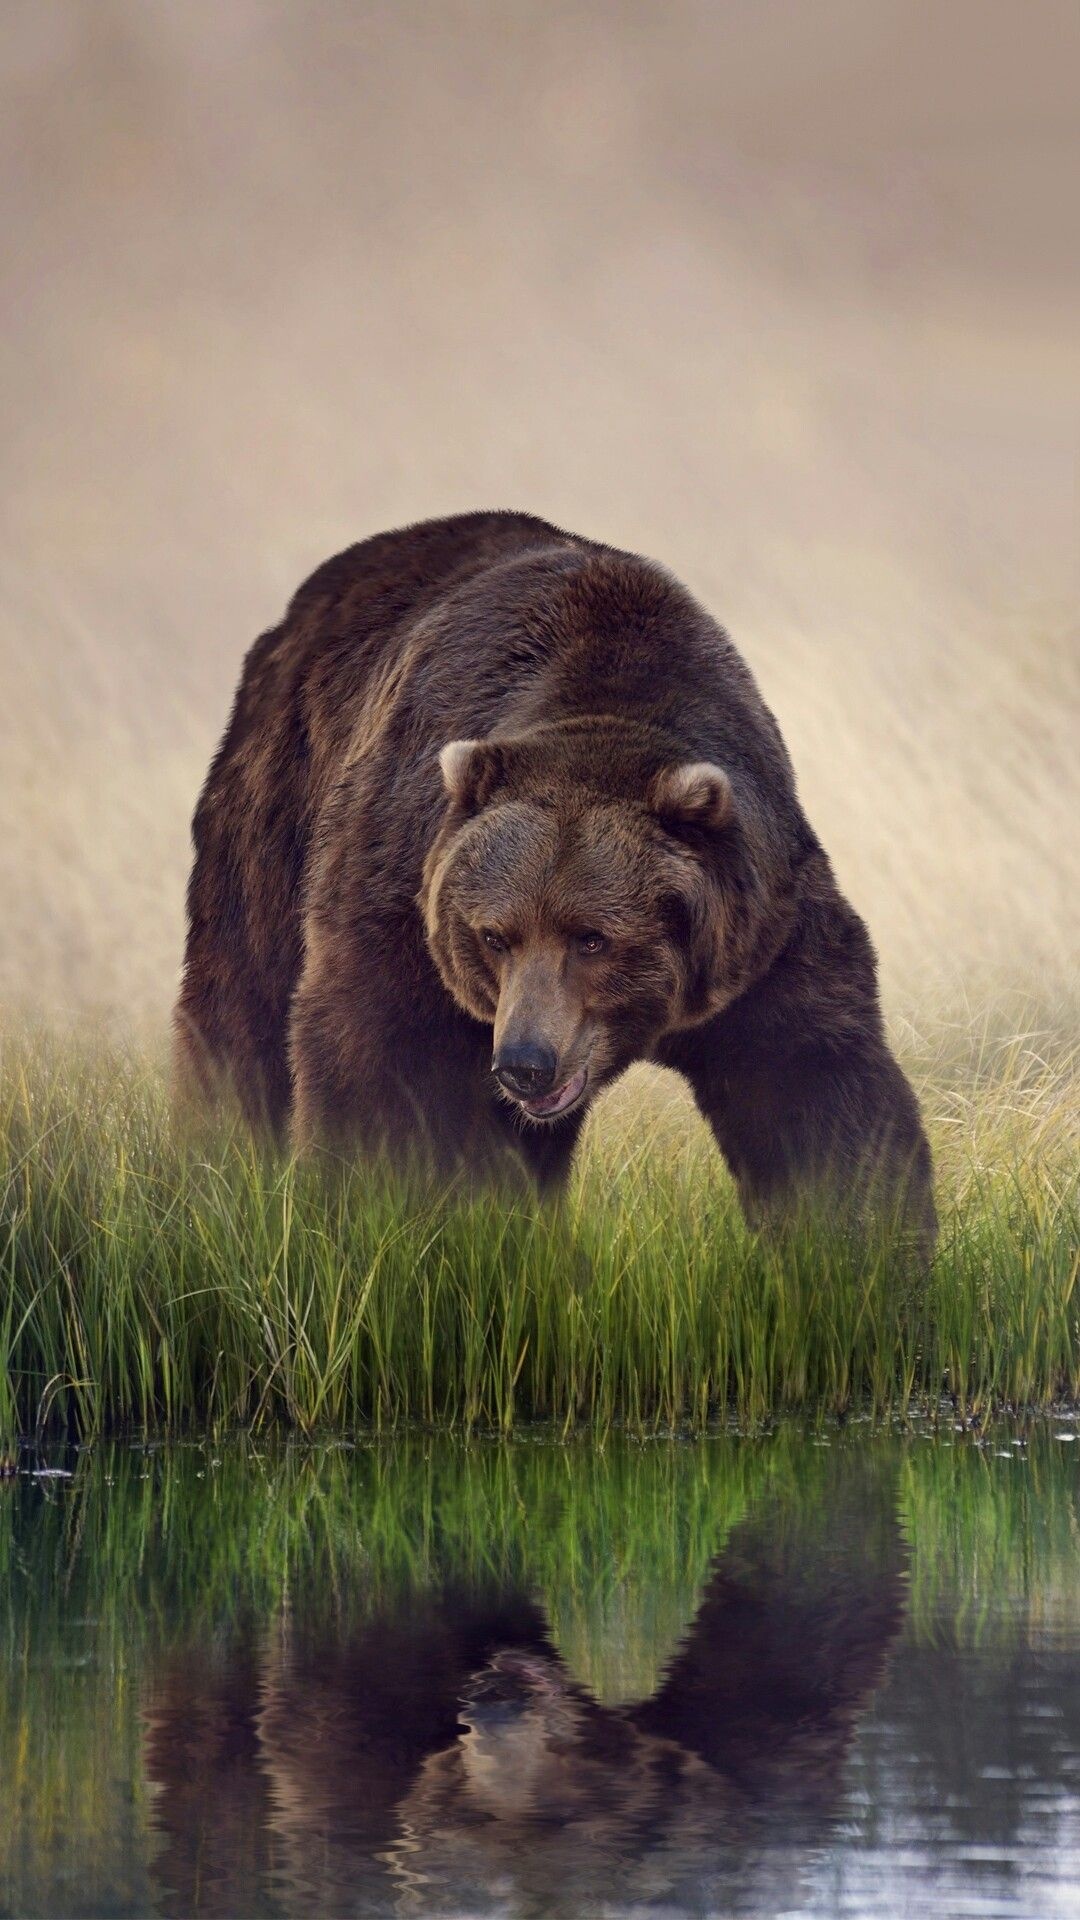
[[500, 810]]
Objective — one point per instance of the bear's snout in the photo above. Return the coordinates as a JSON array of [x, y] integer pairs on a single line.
[[526, 1068]]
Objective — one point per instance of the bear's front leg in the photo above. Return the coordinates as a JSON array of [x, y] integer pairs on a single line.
[[350, 1086], [806, 1102], [376, 1075]]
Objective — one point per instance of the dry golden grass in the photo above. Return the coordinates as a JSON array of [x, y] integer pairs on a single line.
[[778, 297]]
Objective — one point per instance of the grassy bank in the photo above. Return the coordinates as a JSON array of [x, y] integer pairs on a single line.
[[144, 1281]]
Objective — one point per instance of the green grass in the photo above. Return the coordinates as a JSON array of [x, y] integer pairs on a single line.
[[145, 1282]]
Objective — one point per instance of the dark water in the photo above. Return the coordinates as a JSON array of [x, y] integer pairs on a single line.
[[829, 1675]]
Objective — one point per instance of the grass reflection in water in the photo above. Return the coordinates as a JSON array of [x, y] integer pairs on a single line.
[[226, 1665]]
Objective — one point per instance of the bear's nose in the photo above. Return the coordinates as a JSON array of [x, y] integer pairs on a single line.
[[525, 1069]]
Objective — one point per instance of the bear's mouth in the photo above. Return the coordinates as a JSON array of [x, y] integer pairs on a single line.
[[550, 1106]]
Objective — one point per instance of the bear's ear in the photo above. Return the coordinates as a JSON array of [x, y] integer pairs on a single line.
[[468, 770], [696, 794]]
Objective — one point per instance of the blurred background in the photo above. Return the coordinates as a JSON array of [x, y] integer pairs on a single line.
[[782, 292]]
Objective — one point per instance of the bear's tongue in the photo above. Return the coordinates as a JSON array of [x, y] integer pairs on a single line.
[[563, 1096]]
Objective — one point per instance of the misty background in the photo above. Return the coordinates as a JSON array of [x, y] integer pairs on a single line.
[[785, 295]]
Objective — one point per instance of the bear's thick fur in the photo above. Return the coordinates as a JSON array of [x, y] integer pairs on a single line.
[[489, 778]]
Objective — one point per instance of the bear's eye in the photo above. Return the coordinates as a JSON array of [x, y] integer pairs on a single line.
[[493, 940], [590, 942]]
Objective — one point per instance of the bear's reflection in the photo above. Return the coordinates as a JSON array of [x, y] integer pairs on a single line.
[[445, 1761]]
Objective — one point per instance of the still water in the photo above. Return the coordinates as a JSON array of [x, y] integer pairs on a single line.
[[798, 1674]]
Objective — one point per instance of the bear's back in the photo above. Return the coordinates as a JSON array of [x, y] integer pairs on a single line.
[[398, 575]]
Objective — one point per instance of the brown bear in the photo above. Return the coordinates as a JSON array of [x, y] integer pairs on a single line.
[[498, 811]]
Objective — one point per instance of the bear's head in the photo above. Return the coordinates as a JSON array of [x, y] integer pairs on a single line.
[[588, 892]]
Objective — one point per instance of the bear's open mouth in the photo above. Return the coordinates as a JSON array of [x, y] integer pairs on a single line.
[[550, 1105]]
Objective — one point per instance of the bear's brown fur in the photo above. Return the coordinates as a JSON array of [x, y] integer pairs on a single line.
[[491, 778]]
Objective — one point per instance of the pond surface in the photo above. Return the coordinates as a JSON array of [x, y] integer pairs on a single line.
[[801, 1674]]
